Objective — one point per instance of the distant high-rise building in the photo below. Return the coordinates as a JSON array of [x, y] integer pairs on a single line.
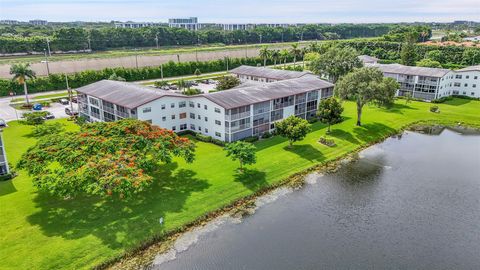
[[38, 22], [131, 24], [9, 22], [186, 23]]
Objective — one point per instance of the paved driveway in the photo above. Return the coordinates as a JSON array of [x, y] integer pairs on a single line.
[[8, 113]]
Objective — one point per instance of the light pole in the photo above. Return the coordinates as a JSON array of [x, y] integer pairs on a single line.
[[156, 39], [136, 58], [260, 38], [46, 62], [48, 46], [70, 95]]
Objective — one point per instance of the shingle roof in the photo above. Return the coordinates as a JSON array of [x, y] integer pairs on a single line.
[[471, 68], [270, 73], [123, 93], [408, 70], [258, 93]]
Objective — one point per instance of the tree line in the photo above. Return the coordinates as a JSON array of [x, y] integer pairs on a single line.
[[74, 39]]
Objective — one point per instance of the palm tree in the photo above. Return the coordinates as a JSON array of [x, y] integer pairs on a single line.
[[295, 51], [284, 54], [275, 56], [22, 72], [265, 54], [303, 51]]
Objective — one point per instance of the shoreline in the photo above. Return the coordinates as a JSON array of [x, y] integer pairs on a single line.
[[144, 255]]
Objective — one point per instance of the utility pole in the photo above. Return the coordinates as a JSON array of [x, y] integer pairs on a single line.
[[260, 38], [136, 58], [70, 95], [48, 46], [156, 39], [282, 36], [89, 45], [161, 71], [226, 60], [196, 48], [46, 62]]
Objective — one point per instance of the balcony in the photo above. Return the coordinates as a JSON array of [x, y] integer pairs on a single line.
[[123, 114], [237, 116]]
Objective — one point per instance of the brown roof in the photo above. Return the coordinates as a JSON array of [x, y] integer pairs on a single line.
[[408, 70], [242, 96], [125, 94]]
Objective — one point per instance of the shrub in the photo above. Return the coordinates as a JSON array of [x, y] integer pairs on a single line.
[[434, 109], [441, 100], [203, 138], [192, 92], [266, 135], [250, 139], [34, 118], [218, 142], [47, 129], [312, 120], [326, 141]]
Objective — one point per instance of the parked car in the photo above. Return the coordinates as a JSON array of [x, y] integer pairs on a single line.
[[75, 99], [3, 123], [49, 115], [173, 87], [63, 101], [37, 107], [68, 111]]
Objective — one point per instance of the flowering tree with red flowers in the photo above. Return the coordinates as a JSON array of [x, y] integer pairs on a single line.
[[104, 159]]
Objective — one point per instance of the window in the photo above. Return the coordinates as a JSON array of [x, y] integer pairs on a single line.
[[472, 93], [199, 117], [466, 77], [476, 77], [147, 109], [191, 104], [206, 119], [458, 76], [217, 122], [192, 116], [182, 104], [218, 134], [457, 84], [163, 106], [464, 93], [183, 115], [466, 85], [199, 128], [164, 118], [474, 85], [206, 130], [217, 110], [205, 107], [174, 128], [173, 116], [192, 126], [183, 126], [198, 105], [172, 105]]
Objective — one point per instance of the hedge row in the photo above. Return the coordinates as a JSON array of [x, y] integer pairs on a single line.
[[170, 69]]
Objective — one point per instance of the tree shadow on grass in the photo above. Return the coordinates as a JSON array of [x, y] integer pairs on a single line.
[[251, 179], [307, 152], [119, 224], [457, 101], [372, 132], [398, 108], [343, 135]]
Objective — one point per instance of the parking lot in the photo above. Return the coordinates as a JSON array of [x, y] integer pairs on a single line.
[[8, 113]]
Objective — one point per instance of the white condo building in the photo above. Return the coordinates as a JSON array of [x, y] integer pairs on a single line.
[[433, 83], [248, 110]]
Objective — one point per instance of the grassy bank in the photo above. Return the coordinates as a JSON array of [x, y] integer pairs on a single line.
[[42, 232]]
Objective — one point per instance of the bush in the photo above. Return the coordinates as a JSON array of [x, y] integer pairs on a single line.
[[203, 138], [192, 92], [186, 132], [34, 118], [441, 100], [47, 129], [434, 109], [218, 142], [313, 120], [267, 135], [326, 141], [250, 139]]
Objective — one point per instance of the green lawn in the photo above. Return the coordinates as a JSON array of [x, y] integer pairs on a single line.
[[43, 232], [48, 96]]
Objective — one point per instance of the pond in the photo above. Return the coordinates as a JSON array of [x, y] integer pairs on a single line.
[[411, 202]]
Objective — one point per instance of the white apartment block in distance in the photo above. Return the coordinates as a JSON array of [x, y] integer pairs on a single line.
[[230, 115], [186, 23], [433, 83]]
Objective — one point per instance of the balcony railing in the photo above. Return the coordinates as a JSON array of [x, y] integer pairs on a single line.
[[123, 114], [237, 116]]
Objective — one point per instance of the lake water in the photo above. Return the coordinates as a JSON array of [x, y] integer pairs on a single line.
[[409, 203]]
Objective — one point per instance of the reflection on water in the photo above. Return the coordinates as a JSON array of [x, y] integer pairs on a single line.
[[409, 203]]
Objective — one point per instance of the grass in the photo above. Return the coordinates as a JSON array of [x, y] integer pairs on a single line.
[[188, 78], [42, 232], [48, 96]]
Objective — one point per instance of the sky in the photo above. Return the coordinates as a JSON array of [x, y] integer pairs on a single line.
[[243, 11]]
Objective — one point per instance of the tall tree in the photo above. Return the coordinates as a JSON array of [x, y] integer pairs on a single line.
[[115, 158], [242, 151], [330, 111], [336, 62], [21, 72], [275, 57], [265, 54], [284, 54], [366, 85], [407, 54], [293, 128], [295, 51], [227, 82]]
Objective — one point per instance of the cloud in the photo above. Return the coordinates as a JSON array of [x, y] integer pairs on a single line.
[[243, 11]]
